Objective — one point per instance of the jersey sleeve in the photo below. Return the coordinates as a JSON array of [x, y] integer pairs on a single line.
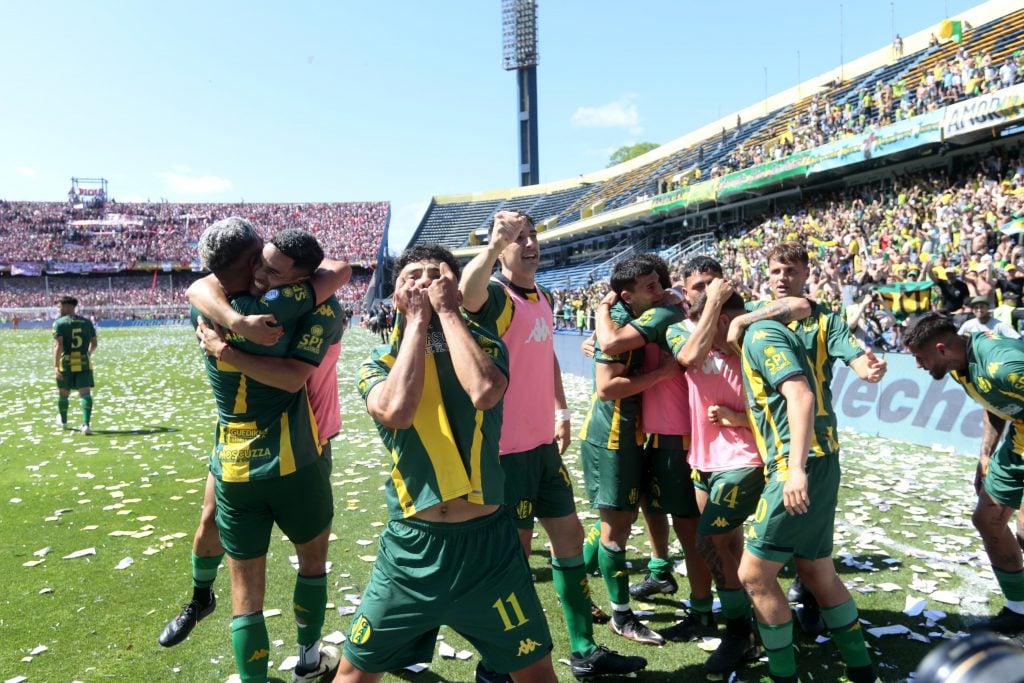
[[676, 336], [315, 332], [491, 344], [841, 342], [56, 328], [496, 313], [652, 323], [773, 352], [620, 316], [375, 369]]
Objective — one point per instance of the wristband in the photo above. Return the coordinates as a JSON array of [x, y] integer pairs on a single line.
[[220, 354], [563, 415]]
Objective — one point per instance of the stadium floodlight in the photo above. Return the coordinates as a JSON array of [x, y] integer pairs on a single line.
[[519, 54], [519, 34]]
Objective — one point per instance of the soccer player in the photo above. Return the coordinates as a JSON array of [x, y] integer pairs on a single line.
[[795, 517], [613, 437], [990, 368], [268, 456], [537, 485], [74, 340], [450, 554], [211, 300], [727, 467], [825, 337], [667, 486]]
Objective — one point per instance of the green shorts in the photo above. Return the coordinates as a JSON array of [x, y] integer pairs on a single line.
[[775, 535], [302, 505], [732, 497], [75, 380], [667, 486], [471, 576], [1005, 479], [613, 478], [537, 485]]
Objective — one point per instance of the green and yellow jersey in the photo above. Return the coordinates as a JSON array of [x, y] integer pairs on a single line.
[[609, 422], [451, 449], [995, 376], [76, 334], [316, 331], [653, 324], [773, 353], [825, 337], [262, 432]]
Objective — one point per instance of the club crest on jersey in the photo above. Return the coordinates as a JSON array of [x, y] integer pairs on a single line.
[[361, 631], [524, 509]]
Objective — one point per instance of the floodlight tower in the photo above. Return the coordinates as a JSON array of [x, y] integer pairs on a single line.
[[519, 54]]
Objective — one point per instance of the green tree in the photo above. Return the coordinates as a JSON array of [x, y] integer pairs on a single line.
[[627, 152]]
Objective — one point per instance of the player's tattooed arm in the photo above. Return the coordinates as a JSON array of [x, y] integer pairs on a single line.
[[783, 310]]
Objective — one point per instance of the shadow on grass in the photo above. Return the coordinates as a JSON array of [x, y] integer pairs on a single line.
[[141, 431]]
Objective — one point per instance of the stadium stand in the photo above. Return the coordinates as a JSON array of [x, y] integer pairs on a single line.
[[871, 92], [123, 259]]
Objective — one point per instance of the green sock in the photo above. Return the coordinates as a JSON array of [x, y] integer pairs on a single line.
[[778, 645], [616, 576], [735, 604], [591, 545], [204, 570], [86, 402], [1011, 583], [310, 605], [702, 607], [251, 644], [659, 568], [62, 407], [846, 633], [573, 590]]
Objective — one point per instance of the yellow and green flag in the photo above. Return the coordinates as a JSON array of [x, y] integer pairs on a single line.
[[906, 298], [951, 29]]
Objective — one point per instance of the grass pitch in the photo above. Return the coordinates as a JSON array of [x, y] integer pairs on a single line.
[[129, 497]]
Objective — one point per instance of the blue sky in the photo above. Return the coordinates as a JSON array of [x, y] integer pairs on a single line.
[[398, 101]]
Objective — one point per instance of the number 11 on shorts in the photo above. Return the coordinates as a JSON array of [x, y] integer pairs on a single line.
[[513, 602]]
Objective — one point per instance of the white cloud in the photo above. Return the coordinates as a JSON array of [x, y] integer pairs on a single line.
[[195, 185], [26, 171], [621, 113]]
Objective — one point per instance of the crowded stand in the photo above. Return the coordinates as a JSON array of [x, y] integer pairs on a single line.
[[43, 240], [897, 88], [58, 232], [959, 232]]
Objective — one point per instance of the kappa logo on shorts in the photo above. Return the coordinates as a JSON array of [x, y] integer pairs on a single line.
[[361, 631], [720, 522], [258, 655], [524, 509], [634, 496], [527, 646]]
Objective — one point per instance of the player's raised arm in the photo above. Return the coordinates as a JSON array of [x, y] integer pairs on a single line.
[[209, 298], [329, 277], [479, 376], [507, 227]]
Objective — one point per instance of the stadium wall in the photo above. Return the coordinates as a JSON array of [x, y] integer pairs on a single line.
[[908, 405]]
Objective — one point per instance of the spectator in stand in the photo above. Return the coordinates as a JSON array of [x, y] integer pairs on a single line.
[[983, 321]]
